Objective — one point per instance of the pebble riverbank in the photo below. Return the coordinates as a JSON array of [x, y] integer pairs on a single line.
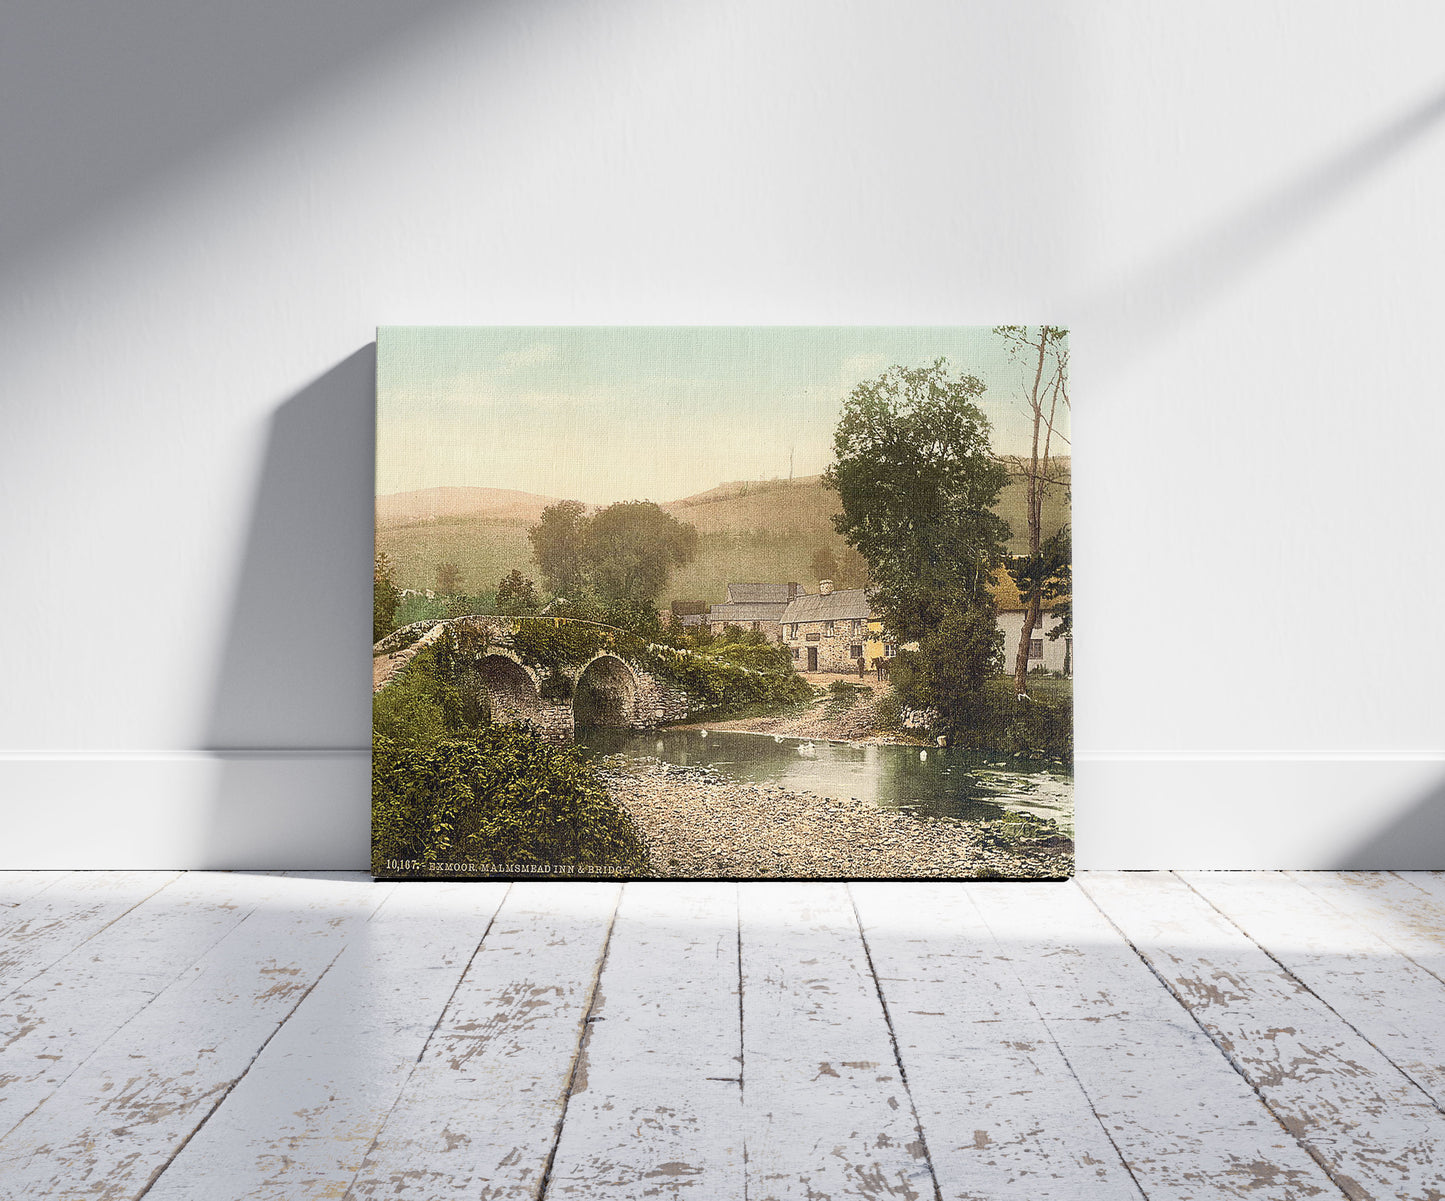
[[699, 823]]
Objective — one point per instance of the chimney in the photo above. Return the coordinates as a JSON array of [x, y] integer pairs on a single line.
[[792, 592], [825, 587]]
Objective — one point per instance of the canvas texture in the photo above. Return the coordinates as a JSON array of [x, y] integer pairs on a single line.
[[667, 602]]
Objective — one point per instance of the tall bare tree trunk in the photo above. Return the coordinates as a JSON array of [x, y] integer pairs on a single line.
[[1021, 660], [1035, 511]]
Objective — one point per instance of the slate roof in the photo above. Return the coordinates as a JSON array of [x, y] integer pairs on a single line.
[[738, 614], [770, 594], [844, 605]]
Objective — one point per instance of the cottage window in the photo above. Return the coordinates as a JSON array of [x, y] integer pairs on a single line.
[[855, 651], [827, 627], [797, 652], [857, 628], [1036, 648], [757, 625], [890, 649]]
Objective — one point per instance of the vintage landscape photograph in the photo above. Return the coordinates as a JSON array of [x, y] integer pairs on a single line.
[[669, 602]]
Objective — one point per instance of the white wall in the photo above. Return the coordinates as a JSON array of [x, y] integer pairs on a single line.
[[205, 208]]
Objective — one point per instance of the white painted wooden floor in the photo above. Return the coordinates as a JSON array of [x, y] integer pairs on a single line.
[[1192, 1035]]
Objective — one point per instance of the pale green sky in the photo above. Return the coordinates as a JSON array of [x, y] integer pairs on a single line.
[[599, 414]]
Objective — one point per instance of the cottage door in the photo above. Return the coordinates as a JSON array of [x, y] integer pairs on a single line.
[[812, 658]]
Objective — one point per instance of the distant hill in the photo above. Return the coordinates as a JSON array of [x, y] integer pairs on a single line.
[[750, 530], [428, 504]]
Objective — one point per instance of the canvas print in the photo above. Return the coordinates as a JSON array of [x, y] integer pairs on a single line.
[[723, 603]]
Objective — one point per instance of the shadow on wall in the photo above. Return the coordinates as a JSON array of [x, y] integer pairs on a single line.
[[290, 716], [1414, 841], [119, 96], [1156, 300]]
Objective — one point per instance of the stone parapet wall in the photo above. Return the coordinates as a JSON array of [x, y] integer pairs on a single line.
[[918, 719]]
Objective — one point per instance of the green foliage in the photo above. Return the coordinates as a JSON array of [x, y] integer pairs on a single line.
[[408, 712], [516, 595], [842, 696], [464, 605], [847, 569], [384, 599], [448, 788], [448, 578], [888, 712], [958, 658], [918, 482], [502, 796], [621, 556], [631, 547], [557, 543]]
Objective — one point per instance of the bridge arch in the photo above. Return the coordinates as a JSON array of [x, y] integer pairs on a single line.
[[511, 687], [606, 694]]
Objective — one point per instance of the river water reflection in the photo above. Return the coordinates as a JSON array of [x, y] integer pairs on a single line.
[[935, 782]]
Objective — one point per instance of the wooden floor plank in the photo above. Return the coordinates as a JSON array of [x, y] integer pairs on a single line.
[[300, 1123], [826, 1111], [124, 1114], [50, 1025], [1374, 1130], [16, 887], [1186, 1124], [1392, 1002], [480, 1113], [49, 924], [656, 1107], [1404, 909], [1001, 1113]]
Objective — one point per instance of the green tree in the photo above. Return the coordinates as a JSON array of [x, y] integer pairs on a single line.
[[958, 658], [1044, 352], [557, 545], [918, 482], [516, 595], [631, 547], [384, 598], [824, 565], [449, 579]]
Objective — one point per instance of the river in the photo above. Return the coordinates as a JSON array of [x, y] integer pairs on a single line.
[[931, 782]]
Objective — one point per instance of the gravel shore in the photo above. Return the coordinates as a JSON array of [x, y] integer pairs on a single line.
[[699, 823]]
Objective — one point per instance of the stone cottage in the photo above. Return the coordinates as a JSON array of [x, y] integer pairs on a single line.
[[829, 631], [754, 607]]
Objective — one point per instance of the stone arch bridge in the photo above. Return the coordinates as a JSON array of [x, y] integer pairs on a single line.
[[601, 686]]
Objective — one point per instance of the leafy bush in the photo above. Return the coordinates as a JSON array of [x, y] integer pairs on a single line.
[[448, 788], [384, 598], [502, 796], [888, 712]]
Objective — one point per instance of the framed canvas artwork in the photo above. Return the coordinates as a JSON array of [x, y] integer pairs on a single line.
[[668, 602]]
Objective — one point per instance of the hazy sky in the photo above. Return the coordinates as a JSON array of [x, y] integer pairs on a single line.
[[600, 414]]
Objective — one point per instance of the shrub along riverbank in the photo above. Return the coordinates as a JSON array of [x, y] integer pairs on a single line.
[[451, 794]]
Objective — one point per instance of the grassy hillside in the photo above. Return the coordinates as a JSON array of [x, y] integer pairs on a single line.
[[750, 531]]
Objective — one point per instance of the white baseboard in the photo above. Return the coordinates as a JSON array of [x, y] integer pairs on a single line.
[[1260, 810], [297, 809], [185, 809]]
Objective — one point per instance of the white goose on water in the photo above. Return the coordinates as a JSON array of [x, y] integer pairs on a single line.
[[807, 748]]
